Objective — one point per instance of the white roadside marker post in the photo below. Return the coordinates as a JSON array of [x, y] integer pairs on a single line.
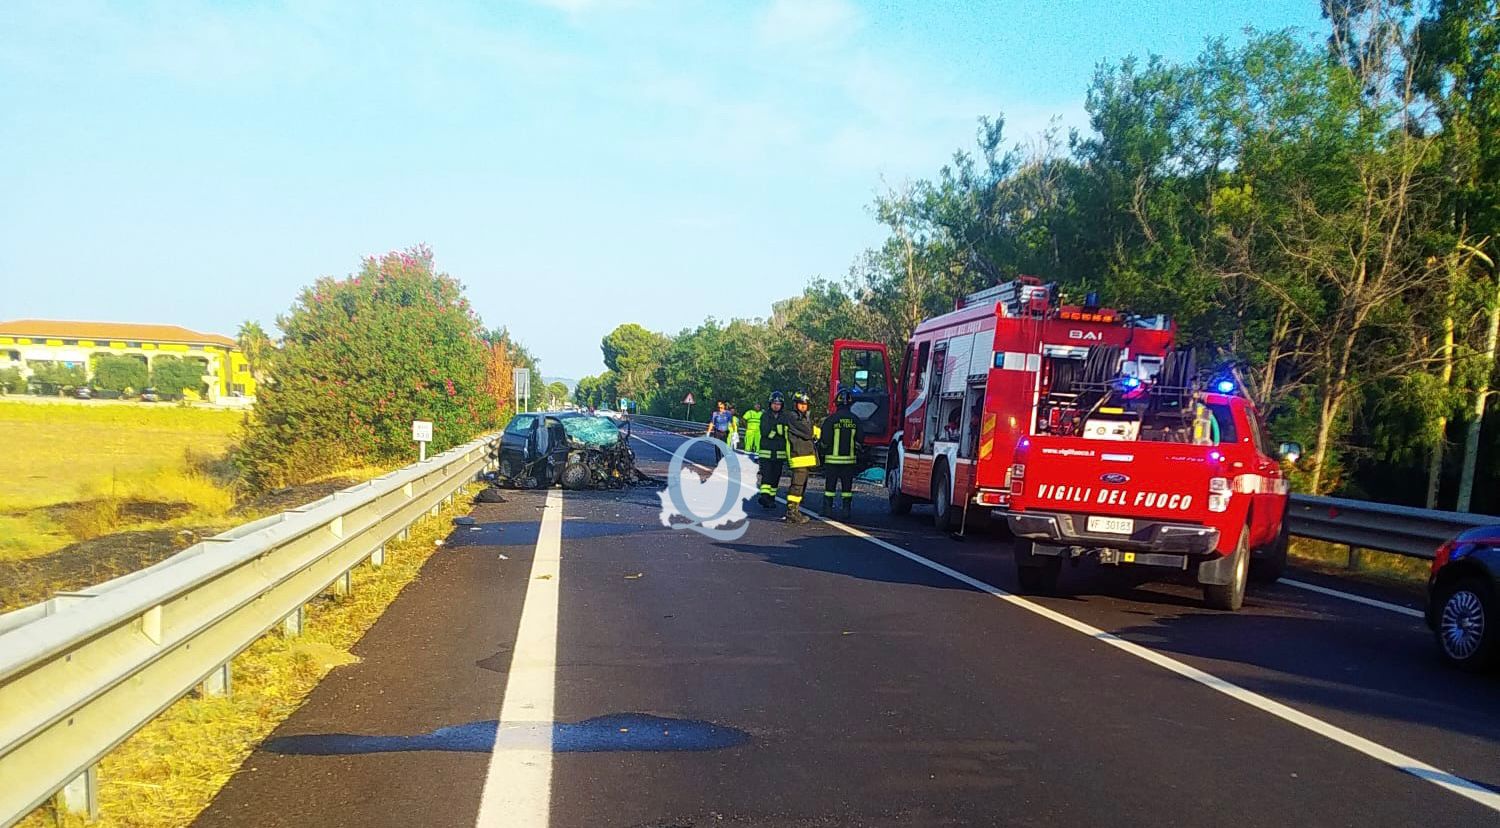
[[421, 432]]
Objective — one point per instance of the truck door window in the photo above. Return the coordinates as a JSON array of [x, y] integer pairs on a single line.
[[934, 386], [919, 377], [862, 372], [974, 404], [1224, 416]]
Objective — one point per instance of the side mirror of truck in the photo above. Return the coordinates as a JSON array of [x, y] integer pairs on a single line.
[[1290, 452]]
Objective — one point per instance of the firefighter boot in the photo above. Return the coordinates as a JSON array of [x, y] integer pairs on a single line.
[[848, 508], [794, 514]]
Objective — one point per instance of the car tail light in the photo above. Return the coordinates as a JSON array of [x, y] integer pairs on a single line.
[[991, 497], [1441, 556], [1218, 494], [1017, 479]]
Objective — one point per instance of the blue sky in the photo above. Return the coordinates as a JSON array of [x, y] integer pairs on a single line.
[[651, 161]]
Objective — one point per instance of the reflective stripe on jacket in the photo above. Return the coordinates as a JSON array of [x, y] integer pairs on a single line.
[[801, 451], [773, 435], [840, 438]]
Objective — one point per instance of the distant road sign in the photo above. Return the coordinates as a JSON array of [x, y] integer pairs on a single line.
[[522, 378], [688, 400]]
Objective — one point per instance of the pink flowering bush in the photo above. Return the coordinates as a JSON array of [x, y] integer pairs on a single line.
[[362, 357]]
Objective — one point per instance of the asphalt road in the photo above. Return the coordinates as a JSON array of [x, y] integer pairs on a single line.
[[879, 674]]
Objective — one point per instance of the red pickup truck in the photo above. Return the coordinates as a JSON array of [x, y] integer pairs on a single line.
[[1199, 491]]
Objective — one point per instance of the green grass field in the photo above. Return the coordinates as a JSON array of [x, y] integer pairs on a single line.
[[73, 471]]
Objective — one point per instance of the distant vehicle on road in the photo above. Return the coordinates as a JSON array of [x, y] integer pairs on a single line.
[[150, 395], [83, 392], [1463, 598]]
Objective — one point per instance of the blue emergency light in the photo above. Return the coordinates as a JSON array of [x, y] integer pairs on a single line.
[[1225, 386]]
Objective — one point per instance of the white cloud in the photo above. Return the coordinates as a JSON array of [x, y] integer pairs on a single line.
[[808, 21]]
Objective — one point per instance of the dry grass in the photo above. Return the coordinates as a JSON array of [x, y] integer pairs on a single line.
[[169, 771], [94, 491], [1376, 567], [67, 469]]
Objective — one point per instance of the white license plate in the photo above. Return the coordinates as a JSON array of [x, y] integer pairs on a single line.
[[1112, 525]]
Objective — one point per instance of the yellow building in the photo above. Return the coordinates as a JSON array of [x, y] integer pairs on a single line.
[[226, 373]]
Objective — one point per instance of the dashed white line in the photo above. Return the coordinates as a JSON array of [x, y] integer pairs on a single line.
[[1400, 761], [518, 784]]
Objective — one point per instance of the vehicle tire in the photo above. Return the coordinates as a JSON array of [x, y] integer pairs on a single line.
[[1231, 596], [1037, 574], [898, 502], [1271, 565], [575, 476], [944, 516], [1468, 623]]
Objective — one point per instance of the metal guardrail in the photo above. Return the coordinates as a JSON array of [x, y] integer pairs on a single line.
[[1360, 524], [82, 671], [669, 424]]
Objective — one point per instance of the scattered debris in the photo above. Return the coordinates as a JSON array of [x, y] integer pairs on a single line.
[[635, 577], [490, 494], [504, 557], [464, 520], [438, 542]]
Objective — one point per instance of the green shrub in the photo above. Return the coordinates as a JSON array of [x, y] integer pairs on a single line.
[[11, 381], [361, 358], [52, 377], [172, 375], [117, 372]]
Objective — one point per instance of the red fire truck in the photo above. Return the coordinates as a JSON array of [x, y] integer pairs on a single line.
[[1085, 428]]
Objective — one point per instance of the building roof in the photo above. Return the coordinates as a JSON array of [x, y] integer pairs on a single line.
[[110, 331]]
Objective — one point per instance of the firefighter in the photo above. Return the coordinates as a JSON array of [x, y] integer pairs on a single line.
[[772, 448], [838, 439], [752, 431], [734, 428], [801, 453]]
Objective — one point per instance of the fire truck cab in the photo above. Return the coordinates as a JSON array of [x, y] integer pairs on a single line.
[[1084, 428]]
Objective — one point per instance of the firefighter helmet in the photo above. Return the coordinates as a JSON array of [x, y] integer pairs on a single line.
[[799, 398], [776, 397], [843, 398]]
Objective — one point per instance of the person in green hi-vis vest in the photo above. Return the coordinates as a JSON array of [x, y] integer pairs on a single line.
[[752, 431]]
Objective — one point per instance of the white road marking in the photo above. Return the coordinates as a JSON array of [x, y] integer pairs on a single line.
[[1349, 596], [1407, 764], [669, 452], [1400, 761], [518, 785]]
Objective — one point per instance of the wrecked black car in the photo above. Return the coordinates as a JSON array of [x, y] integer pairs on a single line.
[[576, 450]]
